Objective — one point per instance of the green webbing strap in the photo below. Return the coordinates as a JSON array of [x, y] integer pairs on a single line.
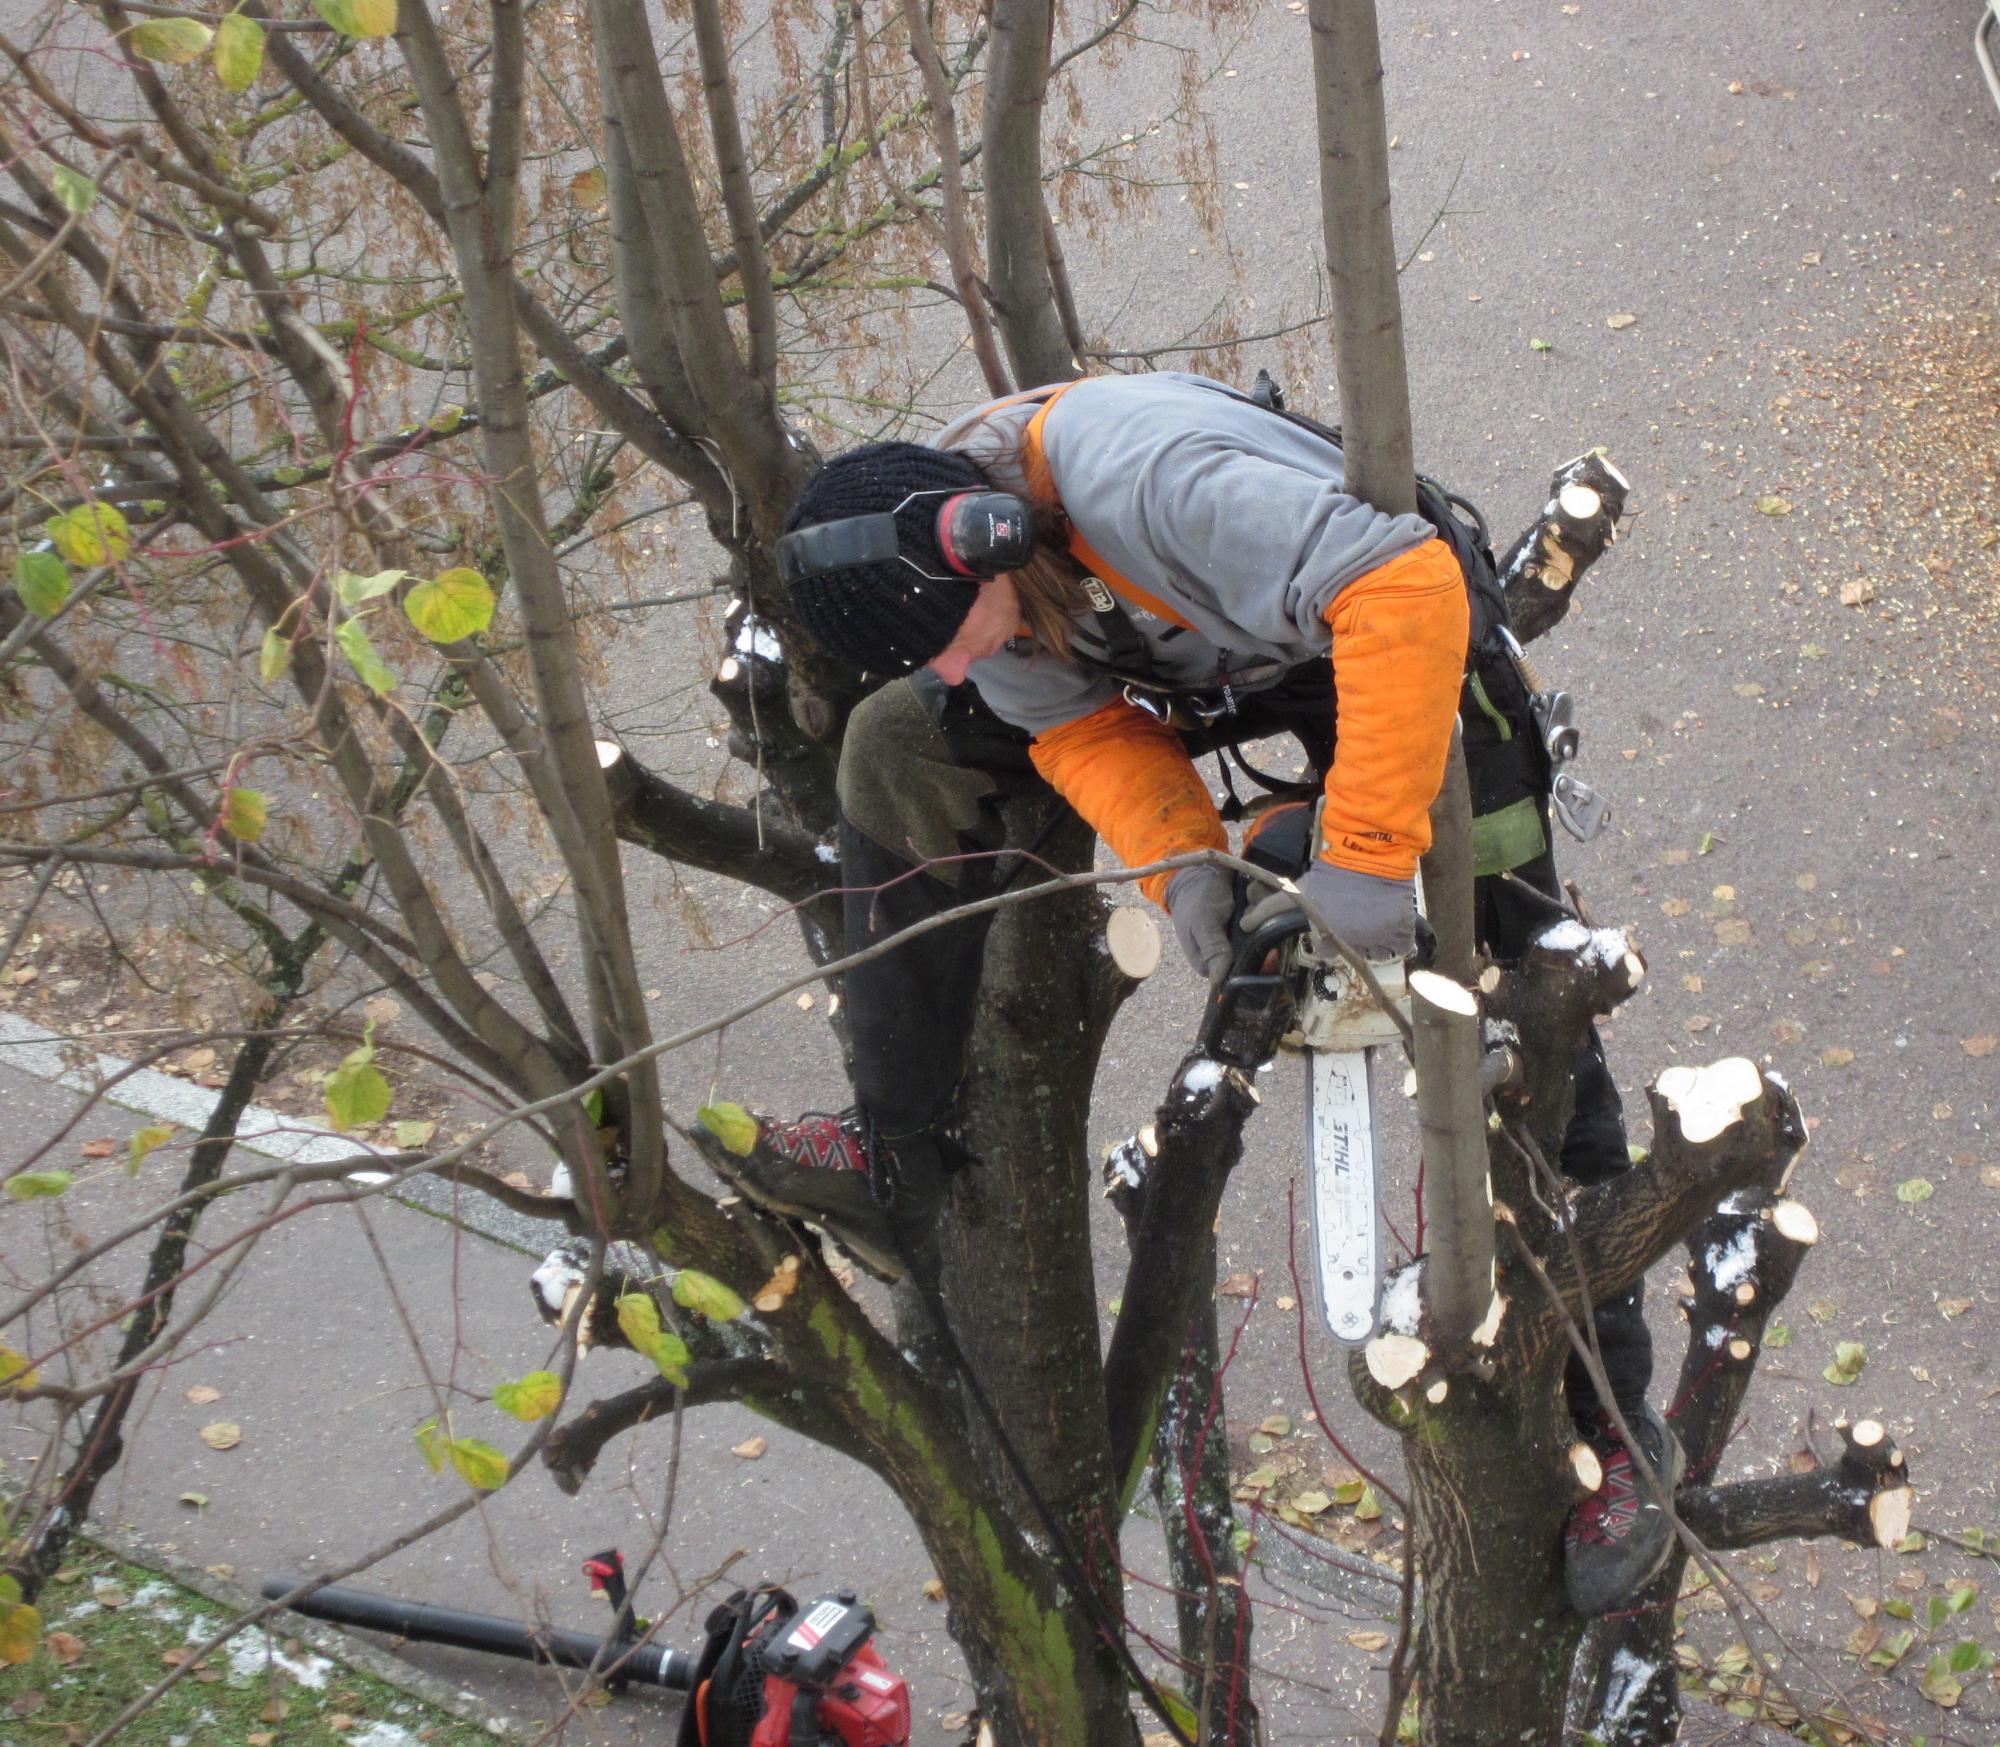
[[1507, 838], [1486, 708]]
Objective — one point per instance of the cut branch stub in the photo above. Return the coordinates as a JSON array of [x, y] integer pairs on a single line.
[[1540, 572], [1133, 940], [1394, 1359]]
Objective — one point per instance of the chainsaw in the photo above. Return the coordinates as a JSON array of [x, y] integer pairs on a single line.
[[1280, 988]]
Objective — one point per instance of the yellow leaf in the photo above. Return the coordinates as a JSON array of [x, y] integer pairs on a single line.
[[15, 1372], [478, 1463], [173, 40], [20, 1629], [731, 1124], [239, 52], [535, 1396], [223, 1435], [750, 1449], [359, 17], [245, 814], [452, 605], [141, 1144], [706, 1296], [92, 533], [274, 657], [639, 1320]]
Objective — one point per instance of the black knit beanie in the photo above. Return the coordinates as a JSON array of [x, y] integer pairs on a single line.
[[886, 617]]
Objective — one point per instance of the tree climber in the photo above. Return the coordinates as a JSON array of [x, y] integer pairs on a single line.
[[1175, 568]]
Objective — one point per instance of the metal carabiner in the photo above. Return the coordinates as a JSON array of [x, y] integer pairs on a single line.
[[1158, 708]]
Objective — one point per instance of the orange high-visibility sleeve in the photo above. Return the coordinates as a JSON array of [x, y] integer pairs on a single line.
[[1129, 776], [1399, 648]]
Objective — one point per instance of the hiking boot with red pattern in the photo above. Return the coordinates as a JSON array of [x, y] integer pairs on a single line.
[[822, 1168], [1616, 1541]]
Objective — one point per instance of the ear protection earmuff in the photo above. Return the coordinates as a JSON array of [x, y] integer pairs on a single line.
[[980, 533]]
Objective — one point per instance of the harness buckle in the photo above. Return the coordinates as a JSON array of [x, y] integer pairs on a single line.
[[1584, 813], [1158, 708]]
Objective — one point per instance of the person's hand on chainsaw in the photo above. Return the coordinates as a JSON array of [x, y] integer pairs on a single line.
[[1376, 916], [1199, 901]]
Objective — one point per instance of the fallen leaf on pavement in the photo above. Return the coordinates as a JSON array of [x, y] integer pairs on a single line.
[[1237, 1286], [1369, 1640], [1623, 319], [1983, 1044], [203, 1393], [223, 1435], [750, 1449]]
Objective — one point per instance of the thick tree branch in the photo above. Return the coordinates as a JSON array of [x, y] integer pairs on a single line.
[[1023, 271]]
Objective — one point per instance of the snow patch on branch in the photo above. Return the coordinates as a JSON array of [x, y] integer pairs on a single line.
[[1202, 1076], [1629, 1677], [1402, 1300], [1596, 949], [1730, 1264], [754, 637]]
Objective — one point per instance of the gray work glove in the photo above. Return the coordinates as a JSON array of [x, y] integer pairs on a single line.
[[1199, 902], [1375, 916]]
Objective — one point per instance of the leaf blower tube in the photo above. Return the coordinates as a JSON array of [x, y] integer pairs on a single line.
[[652, 1664]]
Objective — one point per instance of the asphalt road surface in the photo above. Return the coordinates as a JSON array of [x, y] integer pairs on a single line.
[[1750, 250]]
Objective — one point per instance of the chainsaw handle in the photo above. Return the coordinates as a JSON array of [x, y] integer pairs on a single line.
[[1247, 977]]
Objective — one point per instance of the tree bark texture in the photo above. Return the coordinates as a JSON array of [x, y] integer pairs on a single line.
[[1360, 243], [1019, 1285]]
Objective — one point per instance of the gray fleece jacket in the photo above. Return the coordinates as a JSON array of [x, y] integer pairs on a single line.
[[1229, 514]]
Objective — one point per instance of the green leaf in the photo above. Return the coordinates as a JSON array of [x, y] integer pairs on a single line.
[[1179, 1709], [481, 1466], [73, 190], [359, 17], [41, 579], [245, 814], [706, 1296], [353, 590], [356, 1093], [239, 52], [1913, 1542], [593, 1105], [1965, 1594], [92, 533], [1939, 1685], [731, 1124], [1540, 345], [38, 1185], [533, 1397], [1970, 1657], [1773, 506], [274, 657], [20, 1627], [670, 1354], [173, 40], [1779, 1334], [1914, 1191], [432, 1443], [412, 1135], [1849, 1359], [141, 1144], [1368, 1507], [453, 604], [1936, 1612], [1349, 1491], [352, 636], [1899, 1609], [15, 1372]]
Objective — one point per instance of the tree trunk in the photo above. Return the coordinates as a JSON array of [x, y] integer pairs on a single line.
[[1360, 242], [1019, 1285]]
